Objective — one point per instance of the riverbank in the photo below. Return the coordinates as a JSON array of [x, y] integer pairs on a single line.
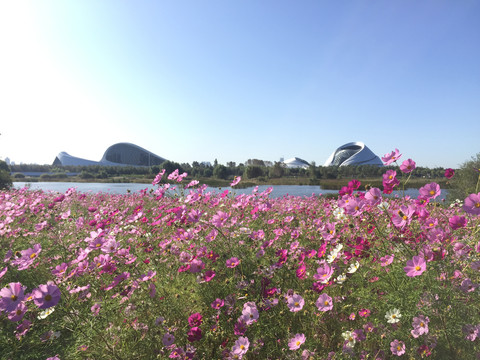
[[329, 184]]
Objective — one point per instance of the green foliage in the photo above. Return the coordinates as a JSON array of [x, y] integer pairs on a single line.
[[253, 171], [220, 172], [466, 179], [5, 180]]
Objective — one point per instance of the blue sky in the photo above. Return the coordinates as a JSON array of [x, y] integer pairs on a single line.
[[234, 80]]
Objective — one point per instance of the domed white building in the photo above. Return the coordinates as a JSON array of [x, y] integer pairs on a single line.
[[121, 154], [354, 153], [296, 163]]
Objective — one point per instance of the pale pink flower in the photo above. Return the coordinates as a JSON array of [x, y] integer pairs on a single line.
[[236, 180], [472, 204], [295, 303], [397, 347], [408, 166], [430, 191], [416, 266], [297, 341], [392, 157], [324, 302]]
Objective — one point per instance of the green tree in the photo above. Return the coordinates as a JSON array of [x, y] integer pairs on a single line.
[[220, 172], [253, 171], [466, 179], [5, 178]]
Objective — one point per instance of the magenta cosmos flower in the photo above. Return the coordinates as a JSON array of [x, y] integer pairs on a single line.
[[416, 266], [195, 319], [449, 173], [324, 303], [11, 296], [392, 157], [46, 296], [472, 204], [295, 342], [408, 166], [430, 191]]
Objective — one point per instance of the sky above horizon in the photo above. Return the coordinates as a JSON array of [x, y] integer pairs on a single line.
[[236, 80]]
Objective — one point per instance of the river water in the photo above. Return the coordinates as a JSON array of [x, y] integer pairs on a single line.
[[124, 188]]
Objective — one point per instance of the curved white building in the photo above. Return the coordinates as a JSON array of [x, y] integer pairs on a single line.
[[354, 153], [121, 154], [296, 163]]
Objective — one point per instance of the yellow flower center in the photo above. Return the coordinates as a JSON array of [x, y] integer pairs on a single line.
[[432, 192], [33, 256], [13, 297], [417, 268], [326, 302], [48, 297], [297, 304]]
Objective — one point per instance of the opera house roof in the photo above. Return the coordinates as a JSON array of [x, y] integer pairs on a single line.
[[296, 162], [354, 153], [120, 154]]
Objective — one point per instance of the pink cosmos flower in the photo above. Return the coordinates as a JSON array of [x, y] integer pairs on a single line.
[[232, 262], [408, 166], [209, 275], [249, 313], [397, 347], [364, 312], [241, 346], [194, 334], [17, 314], [11, 296], [472, 204], [46, 296], [416, 266], [195, 319], [168, 339], [392, 157], [420, 326], [386, 260], [196, 266], [173, 175], [217, 303], [430, 191], [295, 303], [390, 178], [3, 271], [373, 196], [324, 303], [295, 342], [95, 309], [457, 222], [236, 180], [449, 173], [324, 273], [158, 178]]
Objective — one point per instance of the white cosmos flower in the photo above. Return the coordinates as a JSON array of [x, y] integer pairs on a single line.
[[393, 316], [348, 336], [383, 205], [45, 313], [341, 278], [353, 267], [339, 213]]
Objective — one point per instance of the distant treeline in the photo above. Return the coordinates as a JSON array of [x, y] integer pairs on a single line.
[[251, 169]]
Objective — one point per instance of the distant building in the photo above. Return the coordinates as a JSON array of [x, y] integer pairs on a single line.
[[354, 153], [296, 163], [121, 154]]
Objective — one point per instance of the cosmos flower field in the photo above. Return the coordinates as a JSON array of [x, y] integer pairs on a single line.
[[197, 275]]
